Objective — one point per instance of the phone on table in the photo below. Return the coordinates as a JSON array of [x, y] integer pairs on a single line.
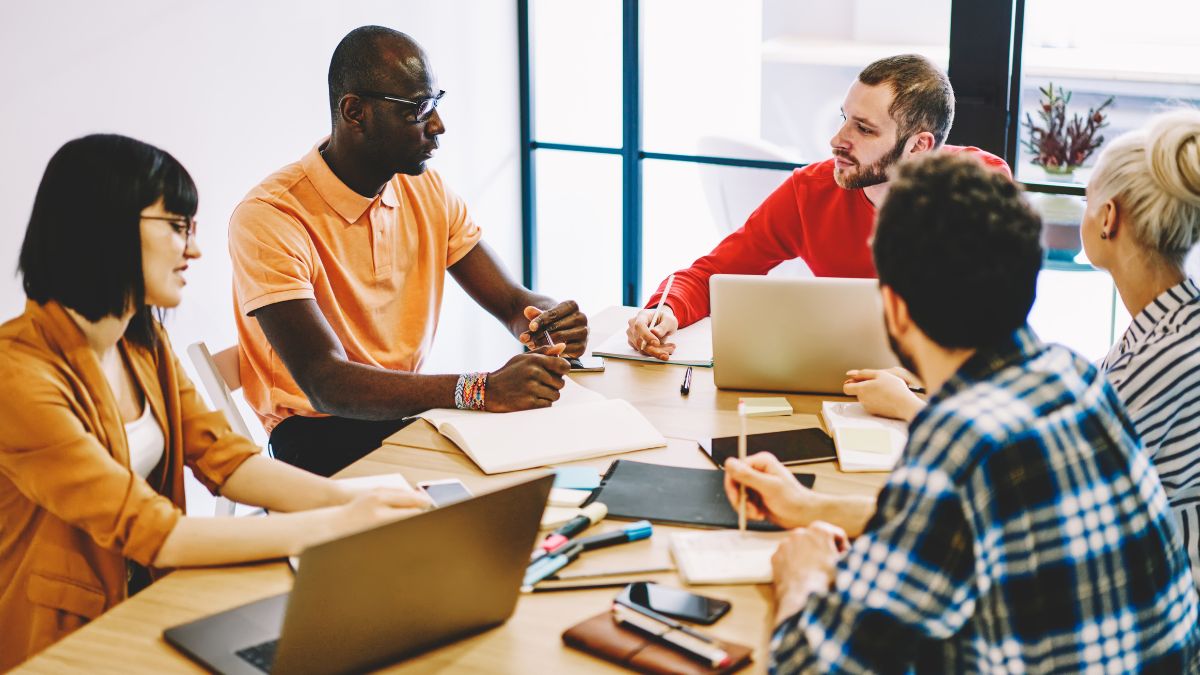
[[586, 364], [794, 446], [447, 491], [674, 602]]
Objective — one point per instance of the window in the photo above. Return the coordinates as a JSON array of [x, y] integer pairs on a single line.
[[717, 101]]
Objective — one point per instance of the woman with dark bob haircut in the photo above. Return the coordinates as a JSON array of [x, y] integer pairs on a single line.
[[99, 419]]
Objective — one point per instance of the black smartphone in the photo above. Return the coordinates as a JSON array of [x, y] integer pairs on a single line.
[[674, 602], [444, 492], [794, 446]]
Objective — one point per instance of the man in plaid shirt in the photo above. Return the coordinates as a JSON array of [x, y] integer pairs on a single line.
[[1023, 529]]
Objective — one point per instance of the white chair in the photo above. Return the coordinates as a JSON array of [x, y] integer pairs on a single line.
[[734, 192], [220, 377]]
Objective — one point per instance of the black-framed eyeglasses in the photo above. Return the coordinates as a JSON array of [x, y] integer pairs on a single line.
[[423, 108], [184, 227]]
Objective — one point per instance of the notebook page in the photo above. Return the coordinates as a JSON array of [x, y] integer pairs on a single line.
[[571, 394], [693, 346], [532, 438], [864, 441]]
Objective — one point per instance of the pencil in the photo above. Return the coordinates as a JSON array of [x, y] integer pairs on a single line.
[[742, 458]]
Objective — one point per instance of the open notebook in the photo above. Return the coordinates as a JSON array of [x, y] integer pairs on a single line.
[[864, 442], [693, 347], [581, 424]]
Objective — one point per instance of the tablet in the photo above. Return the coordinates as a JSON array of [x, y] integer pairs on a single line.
[[794, 446]]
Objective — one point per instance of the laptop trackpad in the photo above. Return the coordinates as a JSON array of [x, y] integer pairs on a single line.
[[214, 640]]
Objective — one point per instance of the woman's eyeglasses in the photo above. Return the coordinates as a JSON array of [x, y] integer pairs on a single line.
[[184, 227], [422, 108]]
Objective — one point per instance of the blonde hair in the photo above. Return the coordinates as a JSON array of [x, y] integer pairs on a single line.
[[1153, 174]]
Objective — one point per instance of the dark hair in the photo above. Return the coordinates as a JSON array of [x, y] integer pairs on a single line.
[[923, 99], [961, 245], [83, 247], [357, 62]]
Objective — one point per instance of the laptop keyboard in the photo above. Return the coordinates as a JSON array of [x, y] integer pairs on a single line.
[[260, 656]]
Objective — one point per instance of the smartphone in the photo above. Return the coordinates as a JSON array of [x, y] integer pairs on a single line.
[[443, 492], [674, 602], [586, 364], [794, 446]]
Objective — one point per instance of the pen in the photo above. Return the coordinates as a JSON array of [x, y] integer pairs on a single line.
[[677, 635], [592, 514], [686, 387], [549, 341], [576, 587], [571, 576], [742, 458], [550, 564], [633, 532], [658, 310]]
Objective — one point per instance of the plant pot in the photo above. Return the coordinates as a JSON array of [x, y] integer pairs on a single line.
[[1061, 216], [1060, 174]]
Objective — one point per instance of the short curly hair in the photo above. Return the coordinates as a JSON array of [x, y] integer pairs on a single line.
[[962, 246]]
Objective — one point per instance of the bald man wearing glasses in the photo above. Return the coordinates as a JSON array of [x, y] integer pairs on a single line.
[[339, 265]]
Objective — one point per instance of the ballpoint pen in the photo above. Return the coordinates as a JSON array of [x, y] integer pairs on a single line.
[[742, 458], [654, 318], [686, 387]]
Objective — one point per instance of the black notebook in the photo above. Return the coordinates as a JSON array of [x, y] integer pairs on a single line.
[[671, 494]]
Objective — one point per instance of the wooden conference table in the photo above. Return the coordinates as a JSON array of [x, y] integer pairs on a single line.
[[128, 638]]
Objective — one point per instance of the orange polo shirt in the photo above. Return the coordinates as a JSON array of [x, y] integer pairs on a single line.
[[375, 266]]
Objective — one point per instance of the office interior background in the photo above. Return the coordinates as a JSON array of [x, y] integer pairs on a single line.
[[567, 196]]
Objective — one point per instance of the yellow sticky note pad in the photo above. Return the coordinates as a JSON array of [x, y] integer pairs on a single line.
[[767, 405]]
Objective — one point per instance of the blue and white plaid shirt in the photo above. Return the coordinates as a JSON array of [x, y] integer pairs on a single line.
[[1023, 530]]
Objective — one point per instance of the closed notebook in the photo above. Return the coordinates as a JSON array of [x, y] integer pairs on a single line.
[[693, 347], [603, 637], [672, 494], [864, 441], [582, 424]]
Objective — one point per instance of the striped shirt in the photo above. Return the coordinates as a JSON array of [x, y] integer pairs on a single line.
[[1022, 530], [1155, 369]]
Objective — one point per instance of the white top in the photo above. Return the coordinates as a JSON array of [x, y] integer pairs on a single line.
[[146, 443], [1155, 369]]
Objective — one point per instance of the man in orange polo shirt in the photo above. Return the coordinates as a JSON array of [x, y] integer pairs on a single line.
[[339, 264]]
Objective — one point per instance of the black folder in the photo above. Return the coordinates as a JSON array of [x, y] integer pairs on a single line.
[[672, 494]]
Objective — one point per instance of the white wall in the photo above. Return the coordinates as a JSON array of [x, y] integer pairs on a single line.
[[235, 90]]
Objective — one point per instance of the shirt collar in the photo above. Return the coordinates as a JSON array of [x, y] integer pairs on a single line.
[[346, 202], [1019, 346], [1163, 306]]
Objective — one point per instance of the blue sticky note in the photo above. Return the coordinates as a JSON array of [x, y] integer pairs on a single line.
[[576, 478]]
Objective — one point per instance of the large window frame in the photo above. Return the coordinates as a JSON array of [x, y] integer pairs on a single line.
[[985, 70]]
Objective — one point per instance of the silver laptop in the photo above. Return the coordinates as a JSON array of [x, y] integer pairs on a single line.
[[378, 595], [795, 335]]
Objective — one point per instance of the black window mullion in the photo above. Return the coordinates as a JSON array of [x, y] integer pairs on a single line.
[[528, 196], [981, 70], [631, 147]]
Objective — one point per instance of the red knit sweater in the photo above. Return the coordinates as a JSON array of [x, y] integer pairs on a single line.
[[808, 217]]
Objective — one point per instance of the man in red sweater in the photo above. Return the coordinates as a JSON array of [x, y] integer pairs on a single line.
[[898, 108]]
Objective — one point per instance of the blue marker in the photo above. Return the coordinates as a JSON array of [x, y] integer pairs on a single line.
[[632, 532], [550, 564]]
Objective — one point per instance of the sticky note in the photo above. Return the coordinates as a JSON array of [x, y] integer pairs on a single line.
[[765, 406], [576, 478]]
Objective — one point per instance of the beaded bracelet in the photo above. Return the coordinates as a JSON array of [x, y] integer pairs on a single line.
[[470, 391]]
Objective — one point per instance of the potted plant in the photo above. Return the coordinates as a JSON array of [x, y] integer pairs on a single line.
[[1060, 146]]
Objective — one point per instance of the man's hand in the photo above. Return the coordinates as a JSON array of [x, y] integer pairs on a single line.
[[565, 323], [803, 564], [885, 392], [651, 342], [772, 491], [529, 380]]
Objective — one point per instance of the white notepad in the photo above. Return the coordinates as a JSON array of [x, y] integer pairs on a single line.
[[724, 556], [580, 425], [864, 441], [693, 347]]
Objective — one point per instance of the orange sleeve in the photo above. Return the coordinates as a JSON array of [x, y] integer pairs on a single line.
[[463, 233], [49, 455], [272, 256]]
